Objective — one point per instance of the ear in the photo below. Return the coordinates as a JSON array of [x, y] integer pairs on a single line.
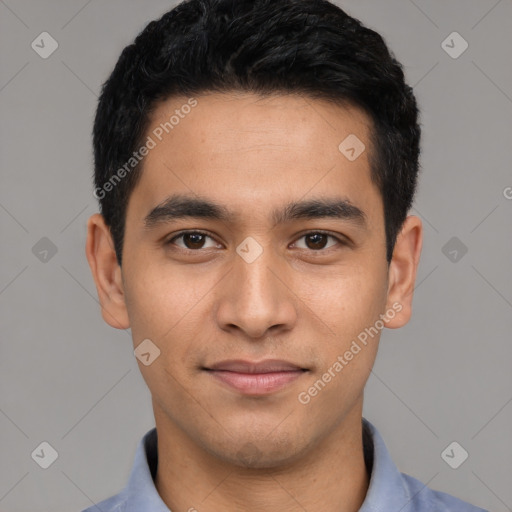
[[106, 272], [402, 271]]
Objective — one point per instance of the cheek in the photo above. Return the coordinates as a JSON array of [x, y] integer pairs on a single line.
[[349, 354], [161, 310], [346, 300], [158, 298], [169, 308]]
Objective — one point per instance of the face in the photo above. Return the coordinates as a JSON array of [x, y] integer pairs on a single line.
[[252, 237]]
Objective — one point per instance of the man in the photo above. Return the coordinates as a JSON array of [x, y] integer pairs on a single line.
[[255, 162]]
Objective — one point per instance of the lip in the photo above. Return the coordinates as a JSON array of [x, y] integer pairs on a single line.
[[256, 378], [264, 366]]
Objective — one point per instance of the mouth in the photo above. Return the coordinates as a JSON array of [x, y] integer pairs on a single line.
[[256, 378]]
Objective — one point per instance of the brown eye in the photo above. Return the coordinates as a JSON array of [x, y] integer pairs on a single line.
[[192, 240], [317, 241]]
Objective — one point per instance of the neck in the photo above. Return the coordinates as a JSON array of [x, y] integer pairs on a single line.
[[331, 476]]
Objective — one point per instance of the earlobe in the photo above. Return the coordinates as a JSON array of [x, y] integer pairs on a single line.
[[106, 272], [402, 271]]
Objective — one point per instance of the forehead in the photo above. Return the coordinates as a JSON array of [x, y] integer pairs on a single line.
[[248, 119], [246, 150]]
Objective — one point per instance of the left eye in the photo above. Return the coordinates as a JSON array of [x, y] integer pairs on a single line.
[[317, 241]]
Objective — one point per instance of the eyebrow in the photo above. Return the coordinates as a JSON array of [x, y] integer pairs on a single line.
[[180, 206]]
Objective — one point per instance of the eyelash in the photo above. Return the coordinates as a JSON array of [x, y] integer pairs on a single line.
[[204, 233]]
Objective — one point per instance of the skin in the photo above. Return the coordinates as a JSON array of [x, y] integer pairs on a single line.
[[297, 301]]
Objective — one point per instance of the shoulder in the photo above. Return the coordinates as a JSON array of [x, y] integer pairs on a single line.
[[139, 493], [113, 504], [425, 498]]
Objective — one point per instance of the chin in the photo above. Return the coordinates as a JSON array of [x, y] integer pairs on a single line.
[[266, 453]]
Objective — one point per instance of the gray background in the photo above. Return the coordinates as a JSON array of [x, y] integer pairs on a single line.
[[69, 379]]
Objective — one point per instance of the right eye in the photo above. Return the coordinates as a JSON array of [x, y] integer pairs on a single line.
[[191, 240]]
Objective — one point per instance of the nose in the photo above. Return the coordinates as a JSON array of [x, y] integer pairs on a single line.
[[255, 297]]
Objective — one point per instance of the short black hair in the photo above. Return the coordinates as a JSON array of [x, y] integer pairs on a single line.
[[307, 47]]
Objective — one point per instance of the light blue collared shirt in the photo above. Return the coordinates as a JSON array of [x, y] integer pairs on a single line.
[[389, 490]]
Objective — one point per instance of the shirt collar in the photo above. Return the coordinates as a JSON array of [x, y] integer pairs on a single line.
[[140, 492], [386, 489]]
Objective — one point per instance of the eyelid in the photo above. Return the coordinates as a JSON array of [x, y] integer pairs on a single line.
[[189, 232], [339, 239]]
